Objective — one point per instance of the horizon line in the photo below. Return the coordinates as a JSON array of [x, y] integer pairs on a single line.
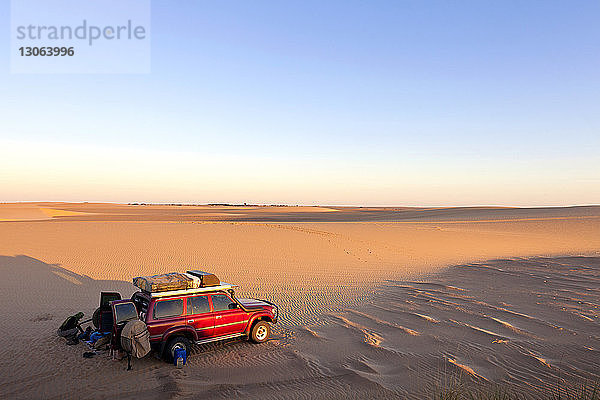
[[225, 204]]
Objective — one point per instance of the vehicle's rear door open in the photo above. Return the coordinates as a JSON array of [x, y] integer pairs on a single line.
[[123, 311], [102, 318], [107, 297]]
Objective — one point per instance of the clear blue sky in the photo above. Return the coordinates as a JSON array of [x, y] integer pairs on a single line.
[[311, 102]]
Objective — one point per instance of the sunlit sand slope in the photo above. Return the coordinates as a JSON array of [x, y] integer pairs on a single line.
[[32, 212]]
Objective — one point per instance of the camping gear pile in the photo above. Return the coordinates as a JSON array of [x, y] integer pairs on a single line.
[[98, 336], [72, 331], [135, 338], [71, 328]]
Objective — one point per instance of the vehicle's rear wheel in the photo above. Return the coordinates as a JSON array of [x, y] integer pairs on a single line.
[[261, 331], [178, 342]]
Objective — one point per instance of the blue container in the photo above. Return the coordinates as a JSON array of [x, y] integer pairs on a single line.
[[179, 357]]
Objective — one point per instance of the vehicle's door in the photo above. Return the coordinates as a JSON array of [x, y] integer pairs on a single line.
[[123, 311], [200, 317], [108, 297], [166, 314], [103, 316], [229, 318]]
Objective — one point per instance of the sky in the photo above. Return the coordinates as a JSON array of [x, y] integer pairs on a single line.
[[399, 103]]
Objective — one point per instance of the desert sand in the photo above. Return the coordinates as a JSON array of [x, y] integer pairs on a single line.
[[375, 302]]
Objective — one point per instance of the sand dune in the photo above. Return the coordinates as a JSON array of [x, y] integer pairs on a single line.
[[431, 215], [368, 308], [21, 213], [29, 212]]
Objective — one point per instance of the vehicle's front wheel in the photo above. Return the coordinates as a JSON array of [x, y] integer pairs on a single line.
[[178, 342], [261, 331]]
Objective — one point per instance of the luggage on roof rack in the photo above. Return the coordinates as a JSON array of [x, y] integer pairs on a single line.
[[176, 281], [164, 282], [222, 287], [206, 278]]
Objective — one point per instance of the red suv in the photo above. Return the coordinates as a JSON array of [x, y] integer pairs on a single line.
[[178, 319]]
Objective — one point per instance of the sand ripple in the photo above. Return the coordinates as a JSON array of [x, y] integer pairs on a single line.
[[525, 328]]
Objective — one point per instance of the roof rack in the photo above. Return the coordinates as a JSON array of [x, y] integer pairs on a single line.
[[222, 286]]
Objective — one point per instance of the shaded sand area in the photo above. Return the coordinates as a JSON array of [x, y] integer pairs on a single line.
[[532, 325], [354, 322]]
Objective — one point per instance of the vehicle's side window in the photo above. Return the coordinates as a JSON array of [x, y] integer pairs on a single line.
[[125, 312], [168, 308], [222, 302], [197, 305]]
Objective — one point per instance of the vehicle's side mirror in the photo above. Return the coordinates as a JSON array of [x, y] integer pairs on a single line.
[[233, 306]]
